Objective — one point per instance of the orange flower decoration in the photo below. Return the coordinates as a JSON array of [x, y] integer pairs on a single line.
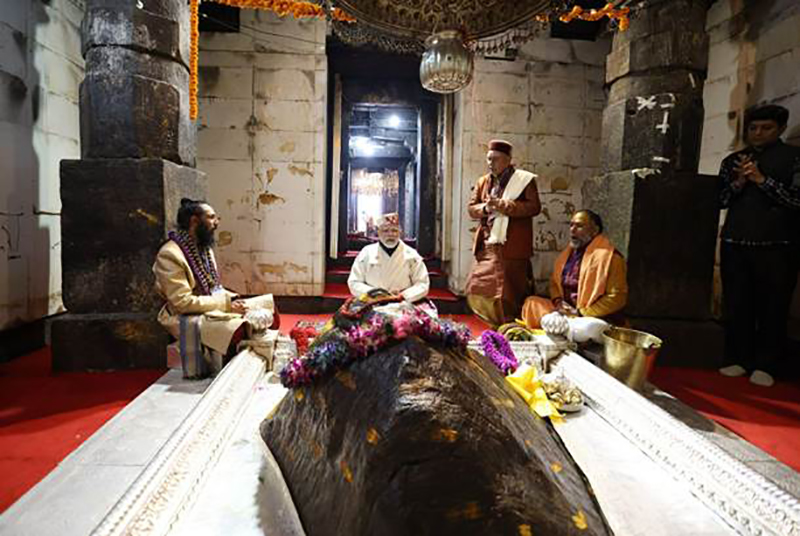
[[283, 8], [620, 15]]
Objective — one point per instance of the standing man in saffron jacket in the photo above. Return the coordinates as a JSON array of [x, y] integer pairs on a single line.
[[505, 202]]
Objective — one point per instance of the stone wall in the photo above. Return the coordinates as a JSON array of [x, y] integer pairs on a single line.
[[261, 140], [754, 58], [40, 70], [549, 104]]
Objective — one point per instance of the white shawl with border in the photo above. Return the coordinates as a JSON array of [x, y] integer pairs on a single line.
[[516, 185]]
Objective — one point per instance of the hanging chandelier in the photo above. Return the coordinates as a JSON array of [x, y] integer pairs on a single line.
[[447, 28], [447, 63]]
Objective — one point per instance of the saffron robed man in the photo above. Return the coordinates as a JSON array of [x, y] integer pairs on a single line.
[[589, 277], [504, 201], [207, 320], [391, 265]]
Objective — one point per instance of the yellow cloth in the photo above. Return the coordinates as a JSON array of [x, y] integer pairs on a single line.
[[490, 310], [526, 383]]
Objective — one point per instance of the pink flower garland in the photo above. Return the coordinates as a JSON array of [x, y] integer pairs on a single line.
[[344, 346], [496, 348]]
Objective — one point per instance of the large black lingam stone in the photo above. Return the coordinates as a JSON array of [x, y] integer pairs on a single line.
[[415, 440]]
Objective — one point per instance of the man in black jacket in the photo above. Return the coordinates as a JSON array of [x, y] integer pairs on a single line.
[[760, 187]]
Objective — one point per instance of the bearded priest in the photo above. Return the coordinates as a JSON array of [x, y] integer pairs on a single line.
[[391, 265], [207, 320]]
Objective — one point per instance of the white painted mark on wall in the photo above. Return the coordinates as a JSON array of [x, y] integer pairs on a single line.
[[692, 81], [643, 173], [661, 159], [664, 126], [671, 103], [645, 103]]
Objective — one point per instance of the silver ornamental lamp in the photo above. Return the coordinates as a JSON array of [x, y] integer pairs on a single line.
[[447, 64]]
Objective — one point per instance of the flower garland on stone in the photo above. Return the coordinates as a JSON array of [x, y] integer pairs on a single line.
[[341, 347], [300, 10], [496, 348], [302, 337], [200, 262]]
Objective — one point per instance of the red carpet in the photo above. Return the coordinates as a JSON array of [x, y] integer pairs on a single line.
[[44, 417], [766, 417]]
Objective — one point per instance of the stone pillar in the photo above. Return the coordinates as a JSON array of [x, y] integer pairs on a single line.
[[119, 200], [658, 211]]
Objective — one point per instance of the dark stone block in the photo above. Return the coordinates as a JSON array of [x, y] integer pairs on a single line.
[[115, 215], [160, 26], [666, 226], [415, 440], [690, 344], [133, 28], [135, 105], [107, 342], [685, 83], [660, 131], [675, 16], [687, 49]]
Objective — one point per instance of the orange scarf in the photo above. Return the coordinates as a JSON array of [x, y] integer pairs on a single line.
[[593, 272]]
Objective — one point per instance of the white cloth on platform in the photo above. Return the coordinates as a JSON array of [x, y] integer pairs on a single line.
[[402, 273]]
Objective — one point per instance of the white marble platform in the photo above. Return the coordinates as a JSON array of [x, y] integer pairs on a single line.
[[186, 458]]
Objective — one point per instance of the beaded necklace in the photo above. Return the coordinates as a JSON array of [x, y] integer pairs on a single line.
[[199, 259]]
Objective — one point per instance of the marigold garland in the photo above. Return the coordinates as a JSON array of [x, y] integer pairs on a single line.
[[300, 10], [620, 15], [194, 32]]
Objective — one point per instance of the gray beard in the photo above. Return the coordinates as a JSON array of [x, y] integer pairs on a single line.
[[391, 244]]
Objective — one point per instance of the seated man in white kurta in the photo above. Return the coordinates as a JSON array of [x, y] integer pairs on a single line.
[[390, 265]]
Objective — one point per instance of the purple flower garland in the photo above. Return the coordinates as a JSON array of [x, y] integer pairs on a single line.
[[359, 342], [496, 348], [200, 262]]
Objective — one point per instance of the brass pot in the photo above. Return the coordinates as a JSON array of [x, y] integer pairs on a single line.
[[630, 355]]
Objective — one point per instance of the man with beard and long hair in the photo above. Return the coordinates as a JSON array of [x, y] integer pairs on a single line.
[[589, 277], [504, 201], [207, 320]]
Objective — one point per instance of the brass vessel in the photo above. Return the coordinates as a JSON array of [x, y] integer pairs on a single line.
[[630, 355]]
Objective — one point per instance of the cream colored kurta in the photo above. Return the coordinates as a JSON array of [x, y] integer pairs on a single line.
[[402, 273], [176, 284]]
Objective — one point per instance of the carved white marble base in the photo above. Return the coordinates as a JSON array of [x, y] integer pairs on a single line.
[[167, 487]]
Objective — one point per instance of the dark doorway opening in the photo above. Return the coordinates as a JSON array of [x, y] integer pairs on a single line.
[[383, 147], [381, 170]]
